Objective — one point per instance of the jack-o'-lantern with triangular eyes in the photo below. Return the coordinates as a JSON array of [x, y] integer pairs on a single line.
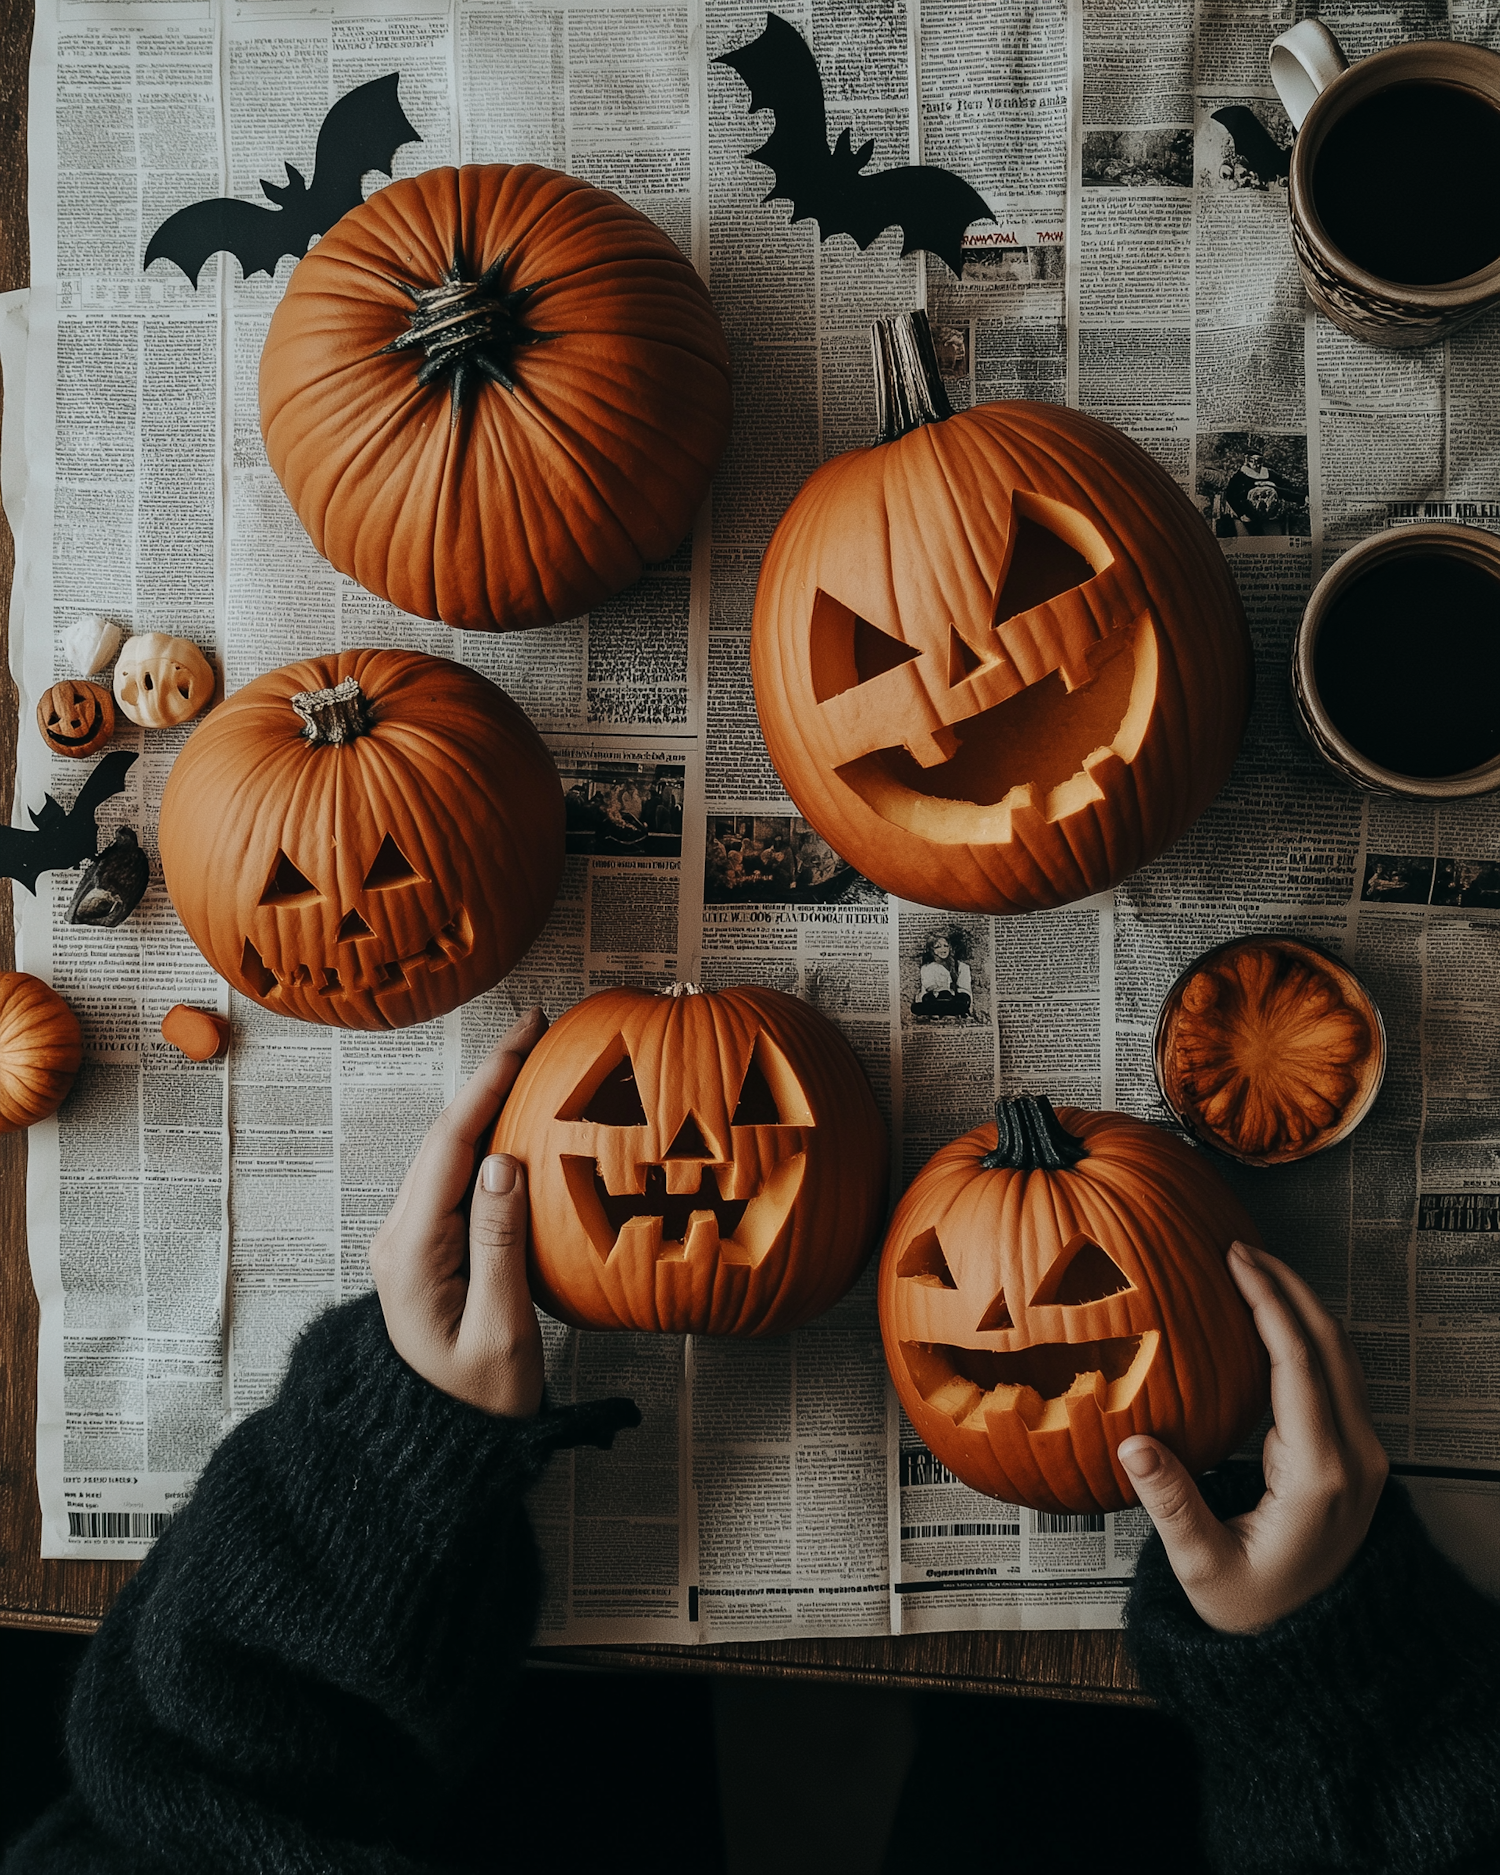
[[998, 658], [367, 839], [697, 1162], [1055, 1282]]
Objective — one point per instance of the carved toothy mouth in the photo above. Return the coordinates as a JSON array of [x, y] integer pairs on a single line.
[[443, 949], [671, 1227], [1035, 1382]]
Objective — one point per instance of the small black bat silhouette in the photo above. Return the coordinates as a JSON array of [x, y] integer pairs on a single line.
[[931, 206], [363, 131], [1254, 145], [58, 839]]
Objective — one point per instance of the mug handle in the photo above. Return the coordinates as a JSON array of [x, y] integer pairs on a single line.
[[1305, 60]]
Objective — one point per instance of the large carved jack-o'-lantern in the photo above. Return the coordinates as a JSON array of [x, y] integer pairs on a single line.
[[1054, 1283], [367, 839], [998, 659], [709, 1163]]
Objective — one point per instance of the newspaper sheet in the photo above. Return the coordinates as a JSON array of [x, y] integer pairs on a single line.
[[186, 1220]]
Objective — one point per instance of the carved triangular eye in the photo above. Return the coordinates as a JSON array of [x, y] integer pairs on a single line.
[[1083, 1273], [689, 1142], [616, 1101], [997, 1315], [770, 1094], [923, 1261], [1042, 566], [390, 867], [353, 927], [847, 650], [289, 885], [757, 1104]]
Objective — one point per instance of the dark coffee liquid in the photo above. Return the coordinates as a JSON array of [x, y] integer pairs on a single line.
[[1407, 664], [1407, 183]]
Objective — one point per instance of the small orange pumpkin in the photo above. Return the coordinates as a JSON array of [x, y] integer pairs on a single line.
[[1057, 1281], [707, 1163], [41, 1050], [367, 839], [493, 394], [998, 659]]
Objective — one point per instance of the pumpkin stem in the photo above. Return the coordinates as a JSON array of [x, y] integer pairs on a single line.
[[908, 386], [469, 328], [1032, 1138], [336, 715], [680, 989]]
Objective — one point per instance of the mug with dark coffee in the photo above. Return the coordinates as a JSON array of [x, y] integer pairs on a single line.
[[1395, 209], [1396, 664]]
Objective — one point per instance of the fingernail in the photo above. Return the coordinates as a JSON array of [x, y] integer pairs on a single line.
[[1243, 1252], [498, 1172], [534, 1015], [1140, 1460]]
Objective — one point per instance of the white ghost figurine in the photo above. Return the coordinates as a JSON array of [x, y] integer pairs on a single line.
[[161, 681], [91, 642]]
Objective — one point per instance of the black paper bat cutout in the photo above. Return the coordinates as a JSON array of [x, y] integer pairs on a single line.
[[931, 206], [1254, 145], [59, 840], [363, 131]]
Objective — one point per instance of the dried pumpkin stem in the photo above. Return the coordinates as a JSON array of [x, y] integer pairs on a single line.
[[680, 989], [1032, 1138], [468, 328], [335, 715], [908, 386]]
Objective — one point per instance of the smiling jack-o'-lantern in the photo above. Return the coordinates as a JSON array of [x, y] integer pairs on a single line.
[[708, 1163], [998, 659], [1054, 1283], [75, 718], [367, 839]]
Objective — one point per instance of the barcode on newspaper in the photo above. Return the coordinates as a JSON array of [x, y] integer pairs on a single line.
[[118, 1522], [911, 1531], [1055, 1523]]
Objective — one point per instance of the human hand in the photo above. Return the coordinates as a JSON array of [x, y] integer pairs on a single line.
[[1324, 1468], [451, 1269]]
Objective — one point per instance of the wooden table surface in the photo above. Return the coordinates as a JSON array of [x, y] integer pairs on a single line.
[[74, 1595]]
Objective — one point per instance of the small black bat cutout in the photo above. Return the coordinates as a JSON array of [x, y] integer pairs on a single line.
[[58, 839], [931, 206], [363, 131], [1254, 145]]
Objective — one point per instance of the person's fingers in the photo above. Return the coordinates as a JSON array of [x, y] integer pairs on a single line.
[[1342, 1373], [444, 1164], [1198, 1546], [1299, 1395], [499, 1329]]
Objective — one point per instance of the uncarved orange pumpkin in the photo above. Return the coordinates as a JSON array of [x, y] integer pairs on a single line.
[[493, 394], [41, 1050], [704, 1162], [1056, 1282], [999, 661], [366, 839]]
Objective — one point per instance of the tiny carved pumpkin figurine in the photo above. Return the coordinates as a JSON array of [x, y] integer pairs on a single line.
[[161, 681], [706, 1163], [492, 394], [1056, 1282], [41, 1050], [1269, 1050], [998, 659], [367, 839], [75, 718]]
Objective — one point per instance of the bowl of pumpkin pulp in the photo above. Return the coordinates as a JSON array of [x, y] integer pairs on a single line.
[[1269, 1050]]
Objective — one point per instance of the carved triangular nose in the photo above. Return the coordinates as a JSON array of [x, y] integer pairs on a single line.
[[689, 1143]]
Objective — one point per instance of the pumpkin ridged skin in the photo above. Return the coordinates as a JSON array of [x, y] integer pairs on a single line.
[[912, 534], [450, 768], [536, 503], [41, 1050], [1166, 1218], [690, 1055]]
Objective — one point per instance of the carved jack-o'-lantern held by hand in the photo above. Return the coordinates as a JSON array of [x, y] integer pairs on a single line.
[[367, 839], [697, 1162], [998, 659], [1054, 1283]]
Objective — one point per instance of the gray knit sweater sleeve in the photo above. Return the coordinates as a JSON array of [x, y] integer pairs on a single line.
[[318, 1648], [1360, 1733]]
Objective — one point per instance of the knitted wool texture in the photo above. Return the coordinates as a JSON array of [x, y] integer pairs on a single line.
[[318, 1649], [1360, 1733]]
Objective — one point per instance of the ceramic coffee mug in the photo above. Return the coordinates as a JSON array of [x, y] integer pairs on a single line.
[[1394, 210], [1396, 664]]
